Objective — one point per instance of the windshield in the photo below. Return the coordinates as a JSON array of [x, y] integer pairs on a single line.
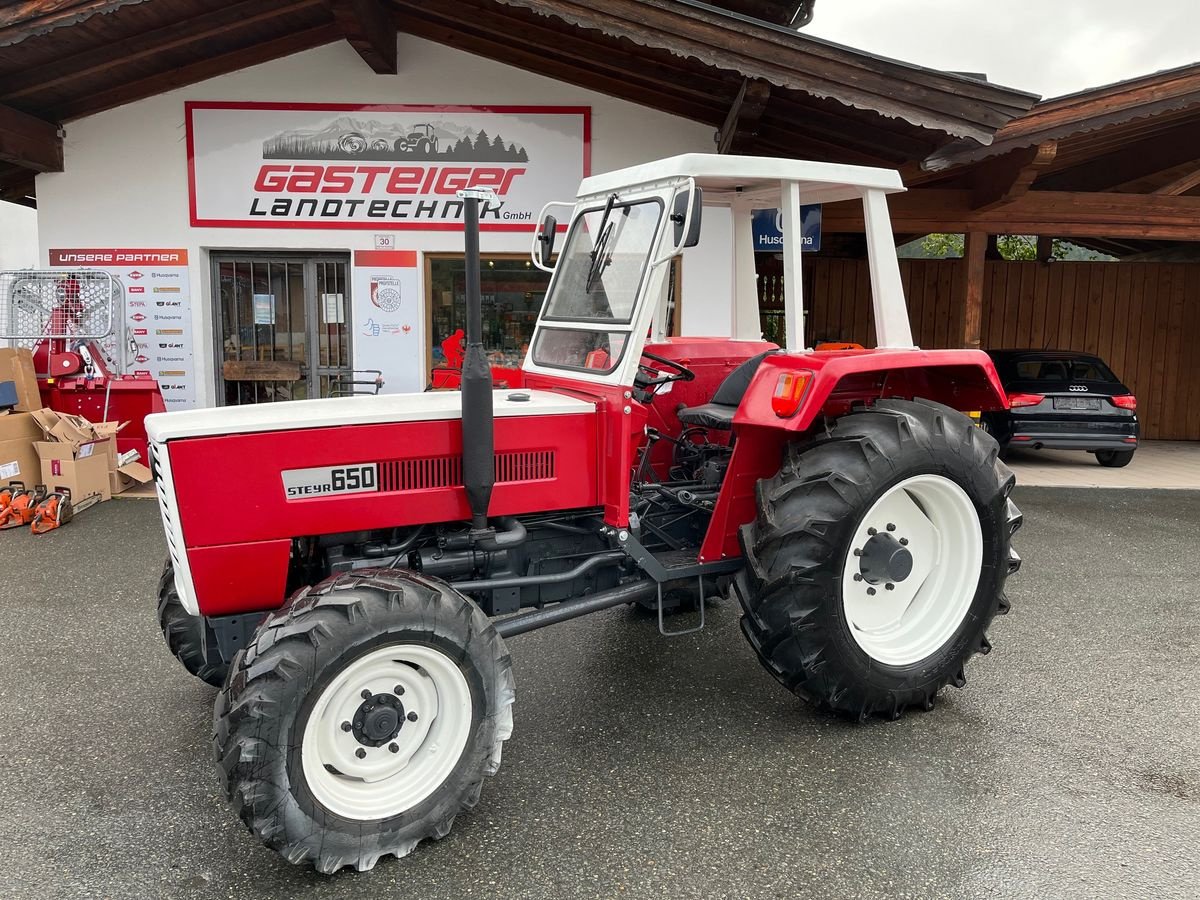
[[601, 267]]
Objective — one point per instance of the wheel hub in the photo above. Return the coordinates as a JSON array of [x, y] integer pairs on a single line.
[[378, 720], [885, 559]]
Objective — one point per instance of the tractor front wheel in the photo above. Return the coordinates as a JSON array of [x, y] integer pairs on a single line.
[[878, 558], [184, 633], [363, 718]]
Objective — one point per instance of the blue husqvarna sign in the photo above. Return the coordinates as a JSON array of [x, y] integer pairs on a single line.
[[768, 229]]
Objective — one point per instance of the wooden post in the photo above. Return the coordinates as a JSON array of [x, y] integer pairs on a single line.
[[1045, 248], [972, 308]]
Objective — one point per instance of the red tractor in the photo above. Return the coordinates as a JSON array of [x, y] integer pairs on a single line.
[[355, 611]]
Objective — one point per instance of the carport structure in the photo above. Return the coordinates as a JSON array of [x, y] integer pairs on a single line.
[[1115, 168]]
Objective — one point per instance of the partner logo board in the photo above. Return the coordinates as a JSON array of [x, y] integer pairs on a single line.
[[350, 166], [132, 268]]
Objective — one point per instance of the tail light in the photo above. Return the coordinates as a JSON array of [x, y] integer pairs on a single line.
[[1018, 400], [789, 391], [1125, 401]]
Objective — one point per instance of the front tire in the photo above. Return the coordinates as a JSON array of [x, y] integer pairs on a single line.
[[908, 494], [363, 718], [1114, 459], [184, 633]]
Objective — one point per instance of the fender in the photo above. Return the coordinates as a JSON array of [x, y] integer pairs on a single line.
[[963, 379]]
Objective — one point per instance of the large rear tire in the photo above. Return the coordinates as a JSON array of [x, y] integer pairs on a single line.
[[363, 718], [878, 558], [184, 633]]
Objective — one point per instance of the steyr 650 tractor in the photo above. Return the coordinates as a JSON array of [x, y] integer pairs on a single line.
[[355, 611]]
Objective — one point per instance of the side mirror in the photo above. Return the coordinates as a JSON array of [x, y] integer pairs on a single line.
[[685, 217], [546, 236]]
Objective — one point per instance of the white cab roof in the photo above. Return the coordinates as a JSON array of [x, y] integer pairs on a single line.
[[296, 414], [725, 178]]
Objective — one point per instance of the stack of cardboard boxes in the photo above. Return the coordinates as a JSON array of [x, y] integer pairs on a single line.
[[40, 446]]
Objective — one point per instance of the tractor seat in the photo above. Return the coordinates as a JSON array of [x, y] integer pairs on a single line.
[[718, 412]]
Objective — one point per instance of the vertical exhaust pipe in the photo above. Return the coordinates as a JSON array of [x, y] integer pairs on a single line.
[[479, 467]]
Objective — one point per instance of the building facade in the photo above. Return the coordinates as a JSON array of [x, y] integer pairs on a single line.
[[279, 228]]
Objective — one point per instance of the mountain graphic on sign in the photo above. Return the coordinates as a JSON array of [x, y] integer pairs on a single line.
[[354, 138]]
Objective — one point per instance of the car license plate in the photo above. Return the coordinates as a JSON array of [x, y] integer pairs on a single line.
[[1076, 402]]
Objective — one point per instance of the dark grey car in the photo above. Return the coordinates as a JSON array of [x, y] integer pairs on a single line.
[[1063, 400]]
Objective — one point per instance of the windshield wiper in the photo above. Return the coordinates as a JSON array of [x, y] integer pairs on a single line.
[[597, 258]]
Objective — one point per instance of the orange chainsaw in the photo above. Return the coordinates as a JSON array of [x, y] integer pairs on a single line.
[[57, 510], [6, 496], [22, 506]]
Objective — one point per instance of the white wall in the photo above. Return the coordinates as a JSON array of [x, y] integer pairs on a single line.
[[125, 181], [18, 237]]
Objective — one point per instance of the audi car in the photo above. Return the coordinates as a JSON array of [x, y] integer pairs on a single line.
[[1062, 400]]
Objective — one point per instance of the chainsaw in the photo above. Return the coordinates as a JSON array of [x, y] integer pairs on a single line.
[[57, 510], [21, 507]]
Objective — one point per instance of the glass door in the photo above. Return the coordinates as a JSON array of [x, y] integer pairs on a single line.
[[283, 327]]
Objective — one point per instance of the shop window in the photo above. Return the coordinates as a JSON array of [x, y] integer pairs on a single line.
[[512, 291]]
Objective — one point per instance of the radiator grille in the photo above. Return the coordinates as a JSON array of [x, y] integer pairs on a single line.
[[446, 471]]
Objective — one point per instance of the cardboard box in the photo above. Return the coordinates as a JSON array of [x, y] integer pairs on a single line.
[[16, 365], [83, 470], [128, 476], [18, 457]]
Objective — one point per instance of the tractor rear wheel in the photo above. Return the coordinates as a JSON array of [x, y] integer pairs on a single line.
[[184, 632], [363, 718], [878, 558]]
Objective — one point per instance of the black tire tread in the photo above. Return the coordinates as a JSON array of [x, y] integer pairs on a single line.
[[183, 634], [284, 648], [791, 558]]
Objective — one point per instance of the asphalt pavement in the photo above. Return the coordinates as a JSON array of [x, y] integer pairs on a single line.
[[644, 767]]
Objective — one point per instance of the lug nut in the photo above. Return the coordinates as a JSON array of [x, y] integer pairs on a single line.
[[366, 694], [872, 532], [360, 753], [870, 592], [857, 552], [904, 542], [398, 690], [891, 526], [890, 586], [395, 748], [412, 717], [857, 576], [346, 726]]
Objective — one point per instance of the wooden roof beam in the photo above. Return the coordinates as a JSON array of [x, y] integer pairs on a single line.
[[1011, 176], [30, 142], [1061, 214], [1182, 184], [370, 29], [210, 67], [87, 65], [740, 128]]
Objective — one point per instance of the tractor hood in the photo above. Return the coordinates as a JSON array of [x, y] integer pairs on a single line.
[[334, 412]]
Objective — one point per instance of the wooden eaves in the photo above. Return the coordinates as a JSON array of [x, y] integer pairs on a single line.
[[767, 88]]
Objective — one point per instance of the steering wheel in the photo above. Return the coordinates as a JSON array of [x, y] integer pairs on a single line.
[[649, 377]]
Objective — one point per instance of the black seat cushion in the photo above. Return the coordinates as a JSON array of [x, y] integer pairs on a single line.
[[718, 412]]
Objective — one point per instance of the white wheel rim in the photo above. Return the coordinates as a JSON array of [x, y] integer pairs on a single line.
[[936, 522], [385, 783]]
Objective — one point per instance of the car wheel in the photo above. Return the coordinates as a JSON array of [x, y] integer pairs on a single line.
[[1114, 459]]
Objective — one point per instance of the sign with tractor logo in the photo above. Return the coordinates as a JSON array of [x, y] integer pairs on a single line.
[[302, 165]]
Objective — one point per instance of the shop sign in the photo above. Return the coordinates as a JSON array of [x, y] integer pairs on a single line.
[[158, 324], [302, 165], [768, 229]]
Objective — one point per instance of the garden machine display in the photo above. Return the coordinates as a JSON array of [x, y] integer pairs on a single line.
[[355, 613], [74, 322]]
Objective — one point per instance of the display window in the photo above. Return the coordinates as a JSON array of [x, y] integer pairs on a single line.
[[512, 291]]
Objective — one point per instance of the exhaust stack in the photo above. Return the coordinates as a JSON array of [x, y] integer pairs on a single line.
[[479, 468]]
